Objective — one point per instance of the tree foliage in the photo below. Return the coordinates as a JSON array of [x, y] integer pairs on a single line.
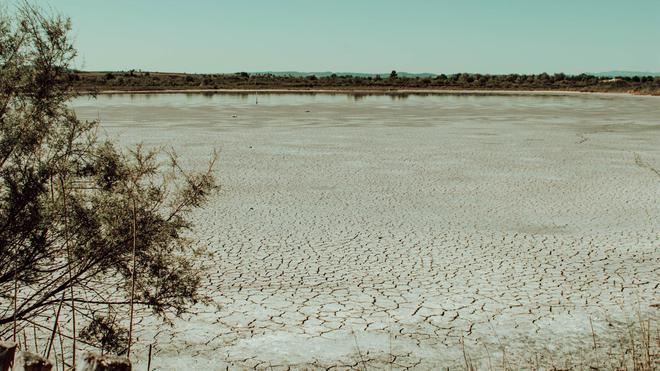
[[93, 81], [74, 208], [105, 333]]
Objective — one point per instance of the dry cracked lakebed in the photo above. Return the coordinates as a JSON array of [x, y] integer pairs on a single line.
[[377, 231]]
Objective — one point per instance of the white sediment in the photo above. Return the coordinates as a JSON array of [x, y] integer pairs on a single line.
[[399, 226]]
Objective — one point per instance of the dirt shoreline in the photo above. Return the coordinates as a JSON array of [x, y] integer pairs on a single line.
[[371, 92]]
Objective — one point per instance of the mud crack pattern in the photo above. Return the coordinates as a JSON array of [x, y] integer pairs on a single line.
[[386, 232]]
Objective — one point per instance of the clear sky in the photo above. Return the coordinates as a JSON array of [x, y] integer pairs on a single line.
[[440, 36]]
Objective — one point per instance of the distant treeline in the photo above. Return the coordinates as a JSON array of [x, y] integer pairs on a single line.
[[138, 80]]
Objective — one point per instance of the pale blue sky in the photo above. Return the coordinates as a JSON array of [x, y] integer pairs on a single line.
[[442, 36]]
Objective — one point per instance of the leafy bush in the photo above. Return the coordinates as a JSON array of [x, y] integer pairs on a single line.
[[82, 223]]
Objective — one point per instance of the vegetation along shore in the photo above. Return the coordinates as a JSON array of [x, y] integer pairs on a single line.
[[140, 81]]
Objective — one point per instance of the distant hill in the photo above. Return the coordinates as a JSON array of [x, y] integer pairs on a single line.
[[329, 73], [623, 73], [383, 74], [426, 74]]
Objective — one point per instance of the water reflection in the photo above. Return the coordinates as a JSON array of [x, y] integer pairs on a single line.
[[403, 96], [237, 99]]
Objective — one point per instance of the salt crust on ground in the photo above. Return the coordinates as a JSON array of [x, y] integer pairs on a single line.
[[396, 227]]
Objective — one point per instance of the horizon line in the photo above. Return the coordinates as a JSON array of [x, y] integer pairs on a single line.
[[622, 73]]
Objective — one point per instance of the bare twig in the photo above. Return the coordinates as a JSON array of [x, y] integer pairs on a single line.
[[15, 299], [358, 350], [70, 258], [130, 329], [149, 359], [52, 334], [593, 334]]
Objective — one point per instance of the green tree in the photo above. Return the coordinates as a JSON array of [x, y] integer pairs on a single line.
[[83, 224]]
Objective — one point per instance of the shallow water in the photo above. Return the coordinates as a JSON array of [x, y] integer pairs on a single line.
[[398, 225]]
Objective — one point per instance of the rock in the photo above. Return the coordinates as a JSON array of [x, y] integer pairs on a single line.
[[7, 351], [94, 362], [26, 361]]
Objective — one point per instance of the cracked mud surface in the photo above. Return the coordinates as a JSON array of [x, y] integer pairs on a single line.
[[377, 231]]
